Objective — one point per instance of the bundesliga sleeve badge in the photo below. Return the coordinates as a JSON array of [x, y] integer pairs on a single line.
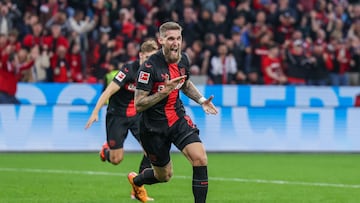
[[144, 77], [120, 76]]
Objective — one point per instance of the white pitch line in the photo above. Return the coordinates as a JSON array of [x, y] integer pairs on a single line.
[[244, 180]]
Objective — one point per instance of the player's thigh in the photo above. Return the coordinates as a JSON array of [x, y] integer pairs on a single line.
[[186, 139], [116, 131], [134, 127]]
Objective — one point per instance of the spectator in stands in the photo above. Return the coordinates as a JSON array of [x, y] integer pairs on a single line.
[[10, 71], [149, 23], [223, 67], [271, 67], [354, 30], [319, 21], [191, 27], [258, 52], [209, 51], [304, 26], [205, 22], [13, 41], [342, 58], [42, 63], [218, 27], [9, 14], [354, 72], [103, 27], [259, 27], [296, 62], [240, 47], [74, 60], [80, 27], [60, 66], [286, 25], [244, 8], [22, 59], [60, 18], [320, 65], [47, 10], [196, 58], [131, 53], [36, 38], [25, 25], [55, 39], [125, 24]]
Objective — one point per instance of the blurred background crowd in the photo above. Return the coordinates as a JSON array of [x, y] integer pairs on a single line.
[[300, 42]]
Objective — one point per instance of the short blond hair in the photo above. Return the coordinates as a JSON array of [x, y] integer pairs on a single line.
[[169, 26], [149, 46]]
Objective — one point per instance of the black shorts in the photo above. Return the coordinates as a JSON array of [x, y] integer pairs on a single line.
[[117, 128], [157, 145]]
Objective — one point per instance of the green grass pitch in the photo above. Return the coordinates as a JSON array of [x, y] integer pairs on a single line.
[[233, 178]]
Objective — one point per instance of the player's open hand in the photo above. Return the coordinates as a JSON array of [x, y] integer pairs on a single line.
[[92, 119], [173, 84], [209, 107]]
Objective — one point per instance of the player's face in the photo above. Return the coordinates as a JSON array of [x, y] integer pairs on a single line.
[[171, 44], [144, 56]]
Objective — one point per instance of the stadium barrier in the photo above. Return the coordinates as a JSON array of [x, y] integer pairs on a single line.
[[251, 118]]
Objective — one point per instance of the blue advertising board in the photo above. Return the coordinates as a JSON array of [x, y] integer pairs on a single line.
[[251, 118]]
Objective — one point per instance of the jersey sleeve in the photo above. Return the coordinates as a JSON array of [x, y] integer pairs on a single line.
[[186, 63], [145, 77], [122, 76]]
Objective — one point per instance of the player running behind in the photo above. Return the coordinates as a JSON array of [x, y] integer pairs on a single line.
[[121, 115]]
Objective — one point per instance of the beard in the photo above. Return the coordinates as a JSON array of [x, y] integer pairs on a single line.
[[172, 55]]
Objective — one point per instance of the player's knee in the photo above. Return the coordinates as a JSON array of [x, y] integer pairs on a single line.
[[116, 160], [200, 161], [165, 177]]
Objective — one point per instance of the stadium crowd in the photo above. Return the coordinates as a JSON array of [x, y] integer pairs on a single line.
[[301, 42]]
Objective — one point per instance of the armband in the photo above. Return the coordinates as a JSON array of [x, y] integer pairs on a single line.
[[201, 100]]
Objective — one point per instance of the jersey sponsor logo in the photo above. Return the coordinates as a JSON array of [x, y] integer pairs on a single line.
[[144, 77], [120, 76]]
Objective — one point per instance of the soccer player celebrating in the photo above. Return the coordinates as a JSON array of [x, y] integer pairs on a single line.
[[121, 115], [163, 120]]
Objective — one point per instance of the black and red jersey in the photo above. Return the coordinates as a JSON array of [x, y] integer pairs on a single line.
[[122, 102], [151, 77]]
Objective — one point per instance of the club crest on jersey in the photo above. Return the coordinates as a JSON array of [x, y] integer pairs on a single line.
[[131, 87], [120, 76], [144, 77]]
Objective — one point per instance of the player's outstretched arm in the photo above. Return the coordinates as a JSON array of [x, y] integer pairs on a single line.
[[109, 90], [193, 93], [144, 101]]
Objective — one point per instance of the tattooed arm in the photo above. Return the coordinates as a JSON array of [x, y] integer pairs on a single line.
[[192, 92], [144, 101]]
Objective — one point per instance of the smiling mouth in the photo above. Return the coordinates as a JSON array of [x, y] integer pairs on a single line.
[[174, 50]]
